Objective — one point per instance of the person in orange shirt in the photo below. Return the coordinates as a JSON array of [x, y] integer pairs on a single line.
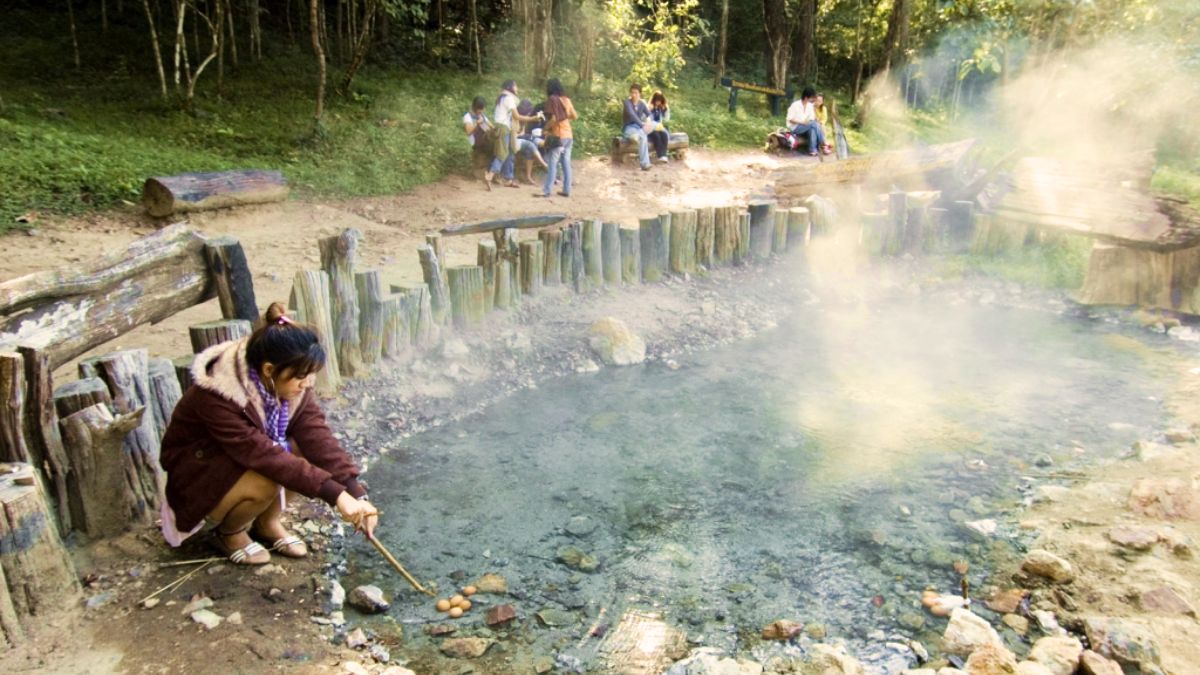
[[559, 113]]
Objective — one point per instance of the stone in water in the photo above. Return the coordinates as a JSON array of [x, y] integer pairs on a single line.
[[368, 599]]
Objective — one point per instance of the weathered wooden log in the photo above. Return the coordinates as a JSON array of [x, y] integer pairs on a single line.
[[419, 312], [100, 498], [823, 213], [799, 227], [579, 279], [73, 396], [14, 444], [682, 243], [339, 258], [231, 275], [593, 255], [610, 247], [762, 228], [466, 295], [504, 224], [780, 232], [508, 252], [655, 247], [631, 255], [183, 371], [485, 257], [566, 257], [310, 305], [38, 577], [165, 392], [75, 309], [431, 269], [551, 257], [1132, 276], [42, 432], [742, 253], [370, 315], [127, 374], [396, 334], [434, 241], [186, 192], [705, 236], [725, 235], [531, 266], [209, 333]]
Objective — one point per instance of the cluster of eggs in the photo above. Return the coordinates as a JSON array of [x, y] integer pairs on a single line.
[[455, 606]]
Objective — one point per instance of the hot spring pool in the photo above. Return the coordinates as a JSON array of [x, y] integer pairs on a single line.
[[820, 472]]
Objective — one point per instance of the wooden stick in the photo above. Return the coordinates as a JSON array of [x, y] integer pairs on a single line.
[[178, 582], [399, 568], [197, 561]]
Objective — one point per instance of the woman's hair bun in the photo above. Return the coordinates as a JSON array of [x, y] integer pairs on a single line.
[[275, 311]]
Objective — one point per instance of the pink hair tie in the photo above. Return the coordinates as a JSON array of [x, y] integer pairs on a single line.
[[283, 318]]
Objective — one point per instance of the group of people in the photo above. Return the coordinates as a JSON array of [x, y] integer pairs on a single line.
[[808, 117], [538, 135], [646, 125]]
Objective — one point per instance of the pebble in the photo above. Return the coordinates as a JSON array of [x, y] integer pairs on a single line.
[[206, 618], [269, 568], [197, 603], [100, 599], [783, 629], [151, 603], [380, 654], [368, 599], [1006, 601], [1135, 538], [1180, 436], [967, 632], [492, 583], [1060, 655], [235, 618], [356, 638], [552, 617], [1091, 663], [337, 595], [1048, 623], [465, 647], [1164, 600], [500, 615], [1044, 564], [576, 559], [1018, 623], [580, 526]]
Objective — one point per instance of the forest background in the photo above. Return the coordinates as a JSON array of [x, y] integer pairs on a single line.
[[364, 97]]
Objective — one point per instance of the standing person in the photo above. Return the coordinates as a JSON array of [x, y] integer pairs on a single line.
[[246, 430], [476, 125], [635, 119], [660, 114], [559, 137], [504, 118], [802, 117]]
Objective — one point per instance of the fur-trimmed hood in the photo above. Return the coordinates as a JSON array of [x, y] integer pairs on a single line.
[[222, 369]]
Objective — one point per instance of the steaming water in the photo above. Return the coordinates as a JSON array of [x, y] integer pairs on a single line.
[[811, 473]]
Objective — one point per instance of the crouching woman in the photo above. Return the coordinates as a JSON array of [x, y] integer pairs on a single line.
[[248, 432]]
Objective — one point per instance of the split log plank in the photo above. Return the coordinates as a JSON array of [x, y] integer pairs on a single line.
[[76, 395], [725, 235], [339, 258], [419, 313], [705, 236], [579, 279], [232, 278], [655, 247], [100, 498], [431, 270], [42, 431], [14, 445], [521, 222], [310, 305], [682, 244], [396, 333], [209, 333], [742, 253], [165, 195], [485, 257]]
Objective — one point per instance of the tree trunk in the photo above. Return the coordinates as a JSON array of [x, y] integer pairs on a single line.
[[723, 43], [531, 267], [41, 425], [806, 42], [704, 236], [76, 395], [551, 257], [779, 27], [543, 38], [631, 255], [653, 246], [683, 242], [158, 64], [593, 260], [610, 246], [896, 41], [485, 257], [431, 268], [725, 235], [209, 333], [473, 20], [231, 276], [100, 499], [314, 18], [361, 46], [74, 37]]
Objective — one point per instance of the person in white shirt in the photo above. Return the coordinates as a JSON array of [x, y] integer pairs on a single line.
[[476, 126], [505, 150], [802, 118]]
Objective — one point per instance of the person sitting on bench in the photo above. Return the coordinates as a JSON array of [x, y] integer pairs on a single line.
[[635, 122], [802, 118], [660, 114]]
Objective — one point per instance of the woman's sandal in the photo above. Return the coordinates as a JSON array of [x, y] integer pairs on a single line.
[[290, 546], [242, 556]]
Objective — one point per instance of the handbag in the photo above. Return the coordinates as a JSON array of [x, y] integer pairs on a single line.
[[553, 142]]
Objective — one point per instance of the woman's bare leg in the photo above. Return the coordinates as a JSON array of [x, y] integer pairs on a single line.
[[268, 526], [249, 497]]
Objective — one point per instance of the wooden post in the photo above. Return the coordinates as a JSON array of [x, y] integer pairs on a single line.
[[531, 266], [205, 335], [38, 577], [725, 235], [504, 297], [310, 304], [762, 229], [780, 232], [682, 254], [610, 246], [231, 274], [466, 295], [507, 251], [593, 255], [420, 313], [822, 212], [100, 498], [551, 256], [485, 257], [183, 371], [370, 319], [799, 227], [14, 446], [705, 236], [631, 255], [434, 241], [654, 246], [439, 300], [165, 392], [579, 279], [396, 334], [566, 256], [76, 395], [42, 432], [742, 253], [339, 257], [896, 231], [960, 225]]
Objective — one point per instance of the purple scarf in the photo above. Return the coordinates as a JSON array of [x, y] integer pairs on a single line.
[[276, 411]]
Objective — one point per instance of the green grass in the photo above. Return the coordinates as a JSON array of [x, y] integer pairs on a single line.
[[1057, 264], [1179, 181]]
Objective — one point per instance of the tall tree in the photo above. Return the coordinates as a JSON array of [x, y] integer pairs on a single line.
[[805, 48], [896, 42], [779, 26], [473, 20], [158, 64], [361, 45], [314, 18], [723, 43]]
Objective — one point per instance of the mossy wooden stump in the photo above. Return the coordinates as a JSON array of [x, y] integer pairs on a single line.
[[655, 246], [593, 254], [762, 229], [610, 245], [466, 295], [370, 315], [485, 257], [396, 333], [682, 256], [531, 267], [705, 236], [799, 227], [742, 253], [94, 439], [631, 255], [418, 313], [726, 235], [339, 258], [551, 257], [431, 269]]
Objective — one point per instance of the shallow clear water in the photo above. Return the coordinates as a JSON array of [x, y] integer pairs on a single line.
[[819, 472]]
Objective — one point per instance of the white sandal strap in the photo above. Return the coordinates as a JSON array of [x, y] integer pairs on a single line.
[[284, 542], [251, 549]]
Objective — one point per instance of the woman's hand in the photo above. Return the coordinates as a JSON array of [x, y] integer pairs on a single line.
[[362, 514]]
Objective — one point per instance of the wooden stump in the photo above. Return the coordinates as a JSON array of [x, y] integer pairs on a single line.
[[14, 446], [960, 225], [726, 235], [799, 227], [369, 288], [164, 195], [780, 233], [76, 395], [742, 253], [823, 213], [995, 236], [551, 256], [439, 300], [418, 313], [566, 257], [705, 236], [579, 279], [209, 333], [896, 229], [127, 374], [231, 275], [508, 250], [531, 266], [1124, 275], [762, 229], [310, 305], [654, 246], [631, 255], [610, 247], [165, 392], [682, 253], [339, 257], [466, 295], [100, 499], [434, 241], [42, 432], [485, 257], [593, 254], [38, 579], [183, 370], [396, 334]]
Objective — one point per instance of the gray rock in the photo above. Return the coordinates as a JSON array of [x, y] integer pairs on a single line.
[[356, 638], [833, 660], [1164, 600], [206, 618], [1091, 663], [465, 647], [550, 616], [380, 654], [1180, 436], [368, 599], [1060, 655], [1044, 564], [614, 344], [1122, 641], [337, 596], [1136, 538], [580, 526], [711, 661], [967, 632]]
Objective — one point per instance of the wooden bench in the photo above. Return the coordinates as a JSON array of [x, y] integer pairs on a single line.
[[677, 144], [777, 97]]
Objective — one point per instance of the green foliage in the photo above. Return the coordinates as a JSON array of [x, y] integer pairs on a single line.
[[1178, 181], [653, 34], [1060, 263]]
